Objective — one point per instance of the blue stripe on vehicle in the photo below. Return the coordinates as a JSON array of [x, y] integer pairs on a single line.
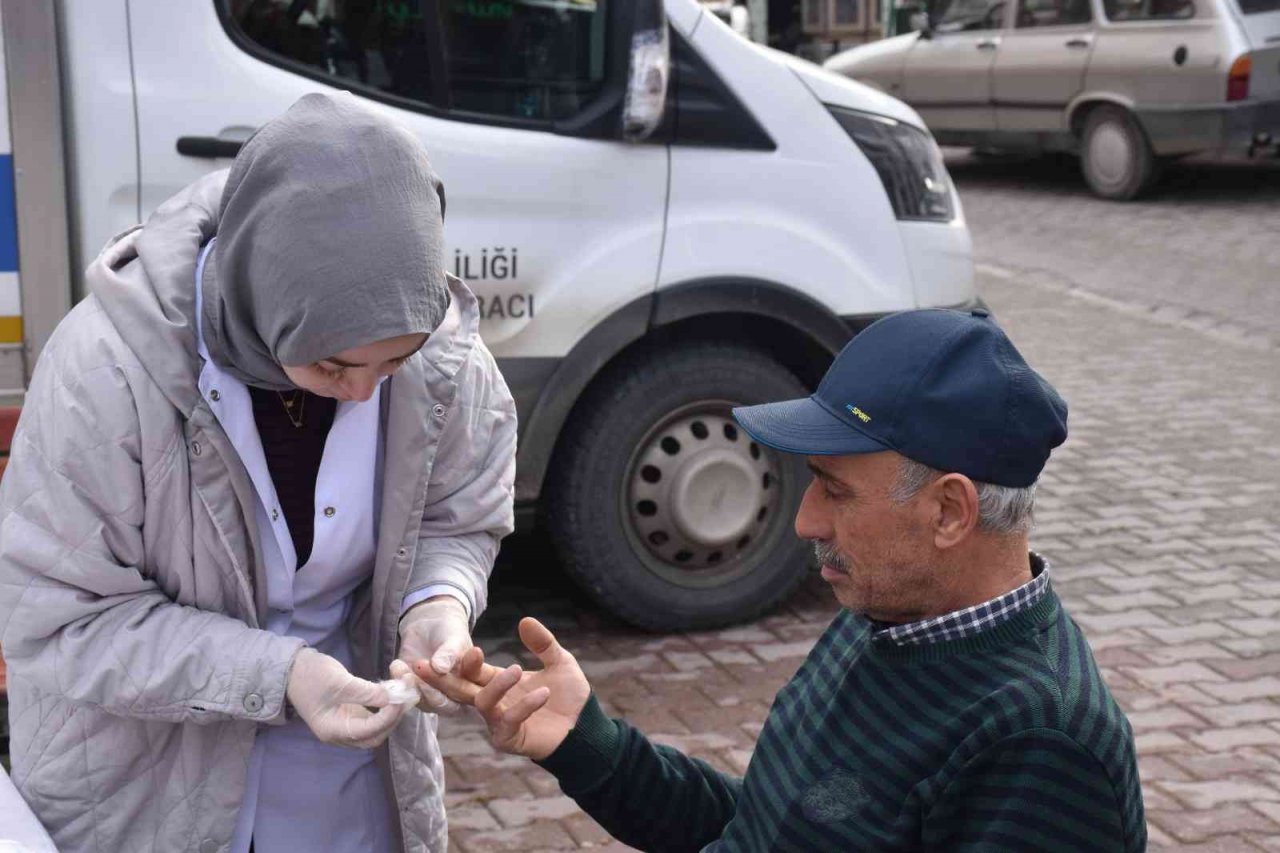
[[8, 217]]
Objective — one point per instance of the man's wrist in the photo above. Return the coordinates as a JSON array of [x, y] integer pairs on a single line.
[[589, 752]]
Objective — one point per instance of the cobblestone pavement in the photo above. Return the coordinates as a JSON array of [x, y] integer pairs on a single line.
[[1201, 246], [1159, 515]]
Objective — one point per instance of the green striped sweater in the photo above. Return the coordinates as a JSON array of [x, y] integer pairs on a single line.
[[1007, 740]]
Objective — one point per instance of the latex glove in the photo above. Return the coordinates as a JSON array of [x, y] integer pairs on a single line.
[[335, 704], [437, 630]]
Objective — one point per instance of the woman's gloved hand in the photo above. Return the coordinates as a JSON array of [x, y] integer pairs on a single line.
[[437, 630], [335, 704]]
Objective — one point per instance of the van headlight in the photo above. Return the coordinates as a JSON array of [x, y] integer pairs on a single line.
[[908, 162]]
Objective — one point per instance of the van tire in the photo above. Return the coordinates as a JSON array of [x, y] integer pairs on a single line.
[[619, 435], [1115, 156]]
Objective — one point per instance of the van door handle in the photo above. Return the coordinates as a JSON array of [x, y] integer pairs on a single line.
[[988, 44], [208, 147], [1078, 42]]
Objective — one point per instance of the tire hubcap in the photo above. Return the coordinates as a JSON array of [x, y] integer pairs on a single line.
[[1110, 154], [700, 491]]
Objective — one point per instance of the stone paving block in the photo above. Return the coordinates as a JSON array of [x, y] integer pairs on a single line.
[[1262, 606], [1190, 826], [1163, 719], [526, 810], [1152, 743], [782, 651], [1248, 712], [474, 817], [1253, 688], [1221, 739], [1208, 795], [1252, 647], [1268, 664], [646, 663], [1257, 627], [1158, 768], [1216, 657], [1188, 672], [544, 835]]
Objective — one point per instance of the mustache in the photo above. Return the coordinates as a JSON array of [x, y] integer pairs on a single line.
[[827, 555]]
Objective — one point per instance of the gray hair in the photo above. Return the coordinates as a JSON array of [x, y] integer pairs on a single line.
[[1002, 510]]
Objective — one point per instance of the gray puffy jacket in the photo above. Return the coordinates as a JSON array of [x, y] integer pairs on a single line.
[[131, 587]]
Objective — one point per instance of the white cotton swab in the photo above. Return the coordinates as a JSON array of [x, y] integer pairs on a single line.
[[401, 693]]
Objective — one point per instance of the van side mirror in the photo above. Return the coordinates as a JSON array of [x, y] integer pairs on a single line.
[[920, 23], [649, 72]]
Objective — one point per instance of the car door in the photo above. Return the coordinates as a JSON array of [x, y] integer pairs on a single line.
[[1041, 64], [947, 76], [551, 226]]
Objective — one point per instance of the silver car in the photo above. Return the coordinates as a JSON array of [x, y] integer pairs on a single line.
[[1123, 83]]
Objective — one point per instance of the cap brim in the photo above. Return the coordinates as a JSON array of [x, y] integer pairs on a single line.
[[804, 426]]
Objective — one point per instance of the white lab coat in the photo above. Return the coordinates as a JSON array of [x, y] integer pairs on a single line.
[[303, 794]]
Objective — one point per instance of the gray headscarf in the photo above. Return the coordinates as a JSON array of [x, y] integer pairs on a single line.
[[329, 238]]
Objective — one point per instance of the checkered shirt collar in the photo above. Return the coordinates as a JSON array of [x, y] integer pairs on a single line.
[[975, 619]]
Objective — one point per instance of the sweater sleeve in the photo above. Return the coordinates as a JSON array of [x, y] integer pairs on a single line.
[[651, 797], [1035, 790]]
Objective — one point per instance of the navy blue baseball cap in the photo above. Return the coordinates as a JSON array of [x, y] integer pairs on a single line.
[[945, 388]]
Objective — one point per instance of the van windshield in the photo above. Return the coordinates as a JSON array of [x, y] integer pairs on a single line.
[[1255, 7]]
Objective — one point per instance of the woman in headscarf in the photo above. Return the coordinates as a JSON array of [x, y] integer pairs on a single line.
[[266, 456]]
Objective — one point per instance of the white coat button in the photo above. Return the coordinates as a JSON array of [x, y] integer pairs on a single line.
[[438, 410], [329, 511], [253, 703], [275, 515], [402, 553], [214, 395], [196, 449]]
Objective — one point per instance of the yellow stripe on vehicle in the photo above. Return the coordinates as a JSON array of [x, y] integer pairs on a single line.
[[10, 330]]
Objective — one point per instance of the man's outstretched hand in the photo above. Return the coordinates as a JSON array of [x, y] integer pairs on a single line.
[[528, 713]]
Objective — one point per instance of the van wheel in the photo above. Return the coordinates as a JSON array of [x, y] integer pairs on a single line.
[[663, 508], [1116, 158]]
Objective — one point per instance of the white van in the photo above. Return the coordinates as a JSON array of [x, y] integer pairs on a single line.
[[661, 219]]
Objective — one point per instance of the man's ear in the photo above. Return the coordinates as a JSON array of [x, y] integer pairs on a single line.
[[956, 498]]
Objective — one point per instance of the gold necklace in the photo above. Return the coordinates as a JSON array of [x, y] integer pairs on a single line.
[[299, 400]]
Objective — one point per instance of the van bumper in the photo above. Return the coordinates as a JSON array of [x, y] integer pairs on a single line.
[[1247, 127], [858, 322]]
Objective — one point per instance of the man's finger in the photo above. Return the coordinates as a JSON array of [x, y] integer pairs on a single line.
[[538, 639], [473, 667], [492, 694], [433, 701], [454, 687], [513, 718]]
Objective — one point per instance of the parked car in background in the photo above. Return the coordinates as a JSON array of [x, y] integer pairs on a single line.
[[1126, 84]]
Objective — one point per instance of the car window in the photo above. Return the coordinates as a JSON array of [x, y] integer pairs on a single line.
[[375, 43], [1150, 10], [1254, 7], [1052, 13], [952, 16], [528, 59]]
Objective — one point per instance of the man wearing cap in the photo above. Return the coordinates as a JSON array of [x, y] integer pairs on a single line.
[[952, 705]]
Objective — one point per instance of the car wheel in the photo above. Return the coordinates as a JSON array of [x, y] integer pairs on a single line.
[[663, 508], [1115, 156]]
